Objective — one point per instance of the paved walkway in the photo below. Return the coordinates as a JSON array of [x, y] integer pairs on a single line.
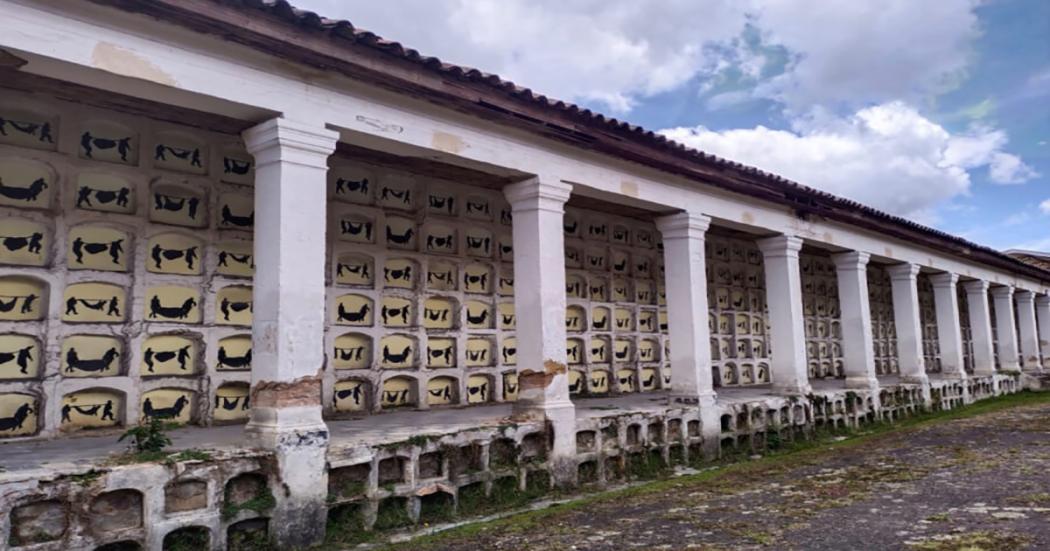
[[976, 483]]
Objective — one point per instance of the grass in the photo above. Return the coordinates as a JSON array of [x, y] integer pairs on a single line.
[[262, 502], [789, 454]]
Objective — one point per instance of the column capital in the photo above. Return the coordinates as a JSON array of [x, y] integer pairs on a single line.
[[944, 279], [780, 246], [854, 260], [1002, 291], [284, 140], [683, 224], [1042, 301], [534, 194], [976, 287], [903, 271], [1024, 295]]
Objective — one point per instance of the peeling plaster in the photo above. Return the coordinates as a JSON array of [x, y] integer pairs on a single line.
[[449, 143], [121, 61]]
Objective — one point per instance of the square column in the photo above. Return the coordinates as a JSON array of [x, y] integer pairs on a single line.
[[1006, 330], [1042, 315], [858, 345], [687, 311], [904, 282], [949, 328], [980, 327], [288, 303], [787, 324], [1026, 329], [538, 209]]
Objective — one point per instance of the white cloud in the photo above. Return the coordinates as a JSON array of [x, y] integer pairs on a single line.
[[1044, 207], [888, 156], [1007, 168]]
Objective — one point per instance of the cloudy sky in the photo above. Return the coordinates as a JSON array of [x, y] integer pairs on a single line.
[[937, 110]]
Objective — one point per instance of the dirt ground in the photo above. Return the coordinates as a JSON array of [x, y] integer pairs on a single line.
[[973, 483]]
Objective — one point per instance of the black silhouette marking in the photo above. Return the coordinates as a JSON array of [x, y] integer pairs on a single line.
[[506, 217], [354, 353], [27, 194], [102, 196], [598, 382], [444, 277], [353, 317], [627, 381], [475, 243], [477, 207], [505, 250], [620, 266], [620, 235], [650, 381], [436, 315], [344, 186], [573, 351], [357, 269], [8, 303], [182, 355], [181, 311], [596, 261], [175, 203], [244, 259], [507, 282], [441, 353], [572, 322], [164, 413], [235, 362], [74, 363], [622, 354], [646, 353], [394, 313], [574, 288], [356, 228], [160, 255], [226, 306], [599, 230], [477, 355], [508, 353], [393, 358], [472, 280], [395, 396], [482, 389], [230, 404], [600, 324], [115, 248], [404, 274], [160, 153], [439, 242], [231, 219], [402, 239], [572, 255], [598, 352], [508, 319], [28, 127], [575, 387], [21, 357], [235, 166], [442, 203], [480, 319], [16, 243], [354, 393], [571, 228], [405, 195], [89, 143], [443, 392], [112, 306], [16, 421]]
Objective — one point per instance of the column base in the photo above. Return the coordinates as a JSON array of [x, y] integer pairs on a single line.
[[270, 427], [922, 379], [704, 400], [862, 383], [560, 421], [793, 389]]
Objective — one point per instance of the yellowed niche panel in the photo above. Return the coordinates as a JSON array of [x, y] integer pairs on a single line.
[[661, 320], [26, 184], [400, 233], [397, 312], [232, 403], [622, 350], [234, 306], [351, 395], [479, 352], [98, 248], [624, 319], [649, 378], [505, 247], [575, 286], [91, 356], [440, 239], [625, 380], [170, 404], [477, 278], [665, 373], [621, 290], [351, 184], [478, 242], [18, 415], [439, 313], [647, 321], [599, 287], [238, 166], [355, 269], [23, 242], [442, 276], [479, 389], [505, 288], [173, 304], [397, 392], [168, 355], [649, 350], [356, 229], [396, 192], [600, 319], [180, 152], [234, 353], [598, 381], [441, 391], [479, 315], [509, 351], [576, 381], [94, 303], [235, 258], [178, 205], [644, 292], [352, 351], [26, 128], [21, 298], [575, 318], [575, 351], [236, 212], [398, 351], [506, 315], [19, 357], [400, 273], [441, 352], [510, 386], [478, 207], [93, 408], [353, 310], [174, 253], [599, 351], [104, 192], [109, 142]]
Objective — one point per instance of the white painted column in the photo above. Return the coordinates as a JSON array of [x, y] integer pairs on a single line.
[[980, 327], [1042, 314], [1027, 332], [288, 297], [787, 325], [1006, 330], [949, 329], [903, 278], [538, 208], [858, 345], [687, 310]]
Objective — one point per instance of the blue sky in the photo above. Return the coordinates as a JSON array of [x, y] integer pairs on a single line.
[[936, 110]]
